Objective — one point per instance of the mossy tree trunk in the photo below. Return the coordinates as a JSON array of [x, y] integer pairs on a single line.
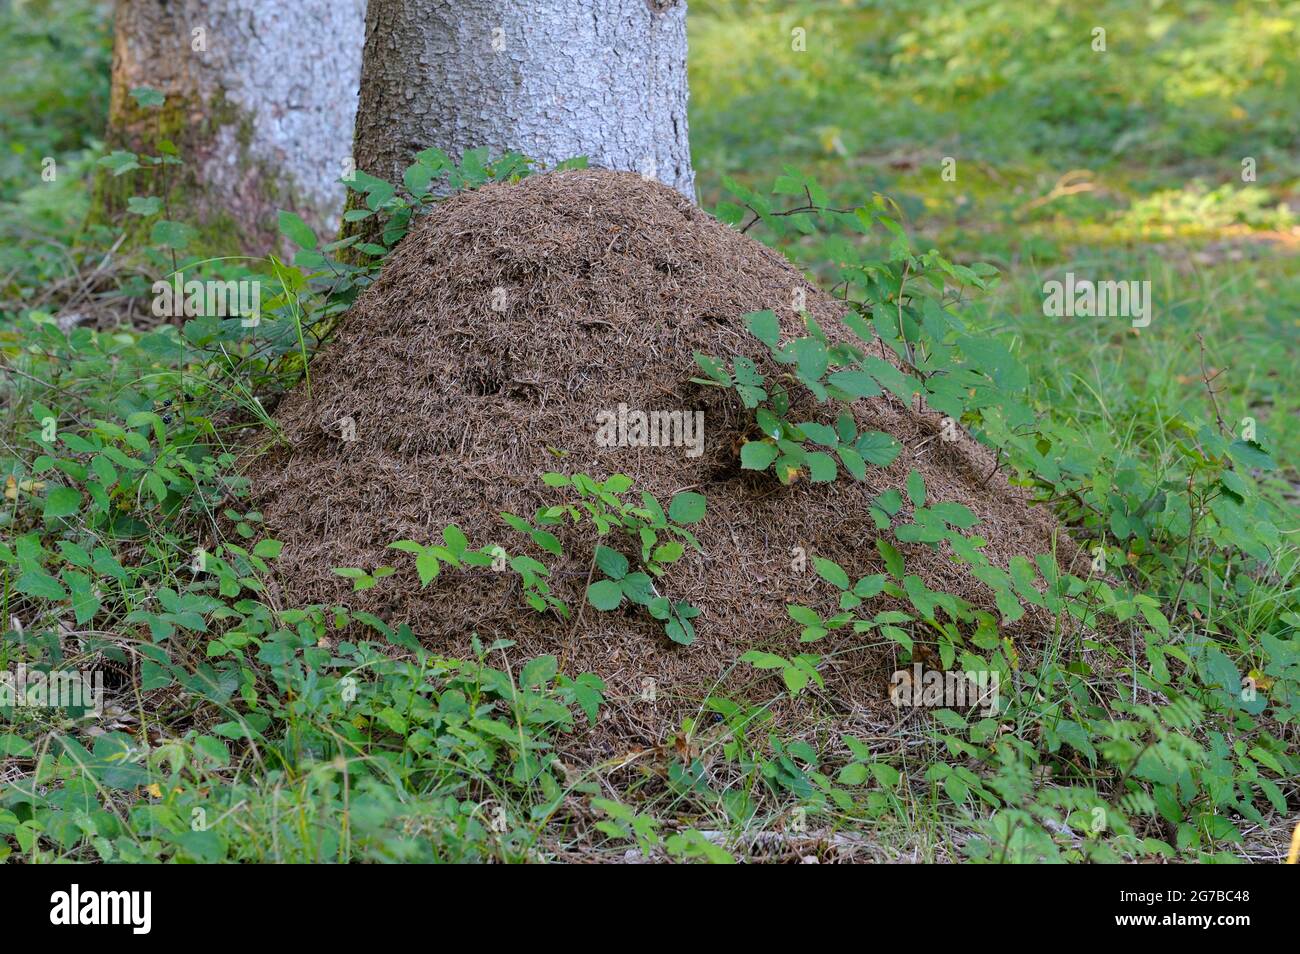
[[260, 102], [552, 79]]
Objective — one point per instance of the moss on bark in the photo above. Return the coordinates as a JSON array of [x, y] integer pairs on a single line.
[[199, 133]]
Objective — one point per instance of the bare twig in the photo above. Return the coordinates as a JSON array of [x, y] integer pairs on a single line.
[[1209, 380]]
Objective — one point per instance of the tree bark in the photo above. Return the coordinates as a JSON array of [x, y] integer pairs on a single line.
[[261, 100], [552, 79]]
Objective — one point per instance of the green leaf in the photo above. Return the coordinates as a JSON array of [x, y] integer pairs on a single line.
[[426, 565], [169, 234], [803, 615], [455, 539], [1269, 759], [393, 719], [795, 679], [268, 549], [143, 204], [1234, 484], [417, 177], [762, 660], [886, 775], [853, 462], [668, 552], [537, 672], [729, 213], [713, 368], [1250, 454], [916, 488], [877, 447], [749, 383], [638, 587], [890, 377], [768, 423], [757, 455], [855, 773], [893, 559], [104, 471], [605, 595], [119, 161], [40, 584], [62, 502], [680, 631], [618, 483], [147, 96], [820, 433], [764, 326], [831, 572], [955, 514], [821, 467], [812, 358], [1077, 737], [687, 508], [548, 542], [857, 383], [296, 230], [85, 604], [15, 746], [612, 563], [869, 586]]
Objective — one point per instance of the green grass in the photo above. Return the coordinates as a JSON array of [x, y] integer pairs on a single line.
[[1123, 164]]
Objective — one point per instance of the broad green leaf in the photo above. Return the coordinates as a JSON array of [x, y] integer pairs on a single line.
[[147, 96], [916, 488], [831, 572], [956, 514], [605, 595], [169, 234], [757, 455], [144, 205], [62, 502], [762, 660], [877, 447], [268, 549], [611, 562], [857, 383], [821, 467], [296, 230], [855, 773], [40, 584], [764, 326], [687, 508], [538, 672]]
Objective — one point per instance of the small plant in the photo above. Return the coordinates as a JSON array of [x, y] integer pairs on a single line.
[[455, 553], [645, 527], [813, 362], [361, 580], [626, 824], [659, 538], [796, 673]]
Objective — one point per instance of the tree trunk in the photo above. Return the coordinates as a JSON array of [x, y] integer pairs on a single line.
[[261, 99], [552, 79]]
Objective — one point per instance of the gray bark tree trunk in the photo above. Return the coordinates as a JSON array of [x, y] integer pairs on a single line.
[[552, 79], [261, 100]]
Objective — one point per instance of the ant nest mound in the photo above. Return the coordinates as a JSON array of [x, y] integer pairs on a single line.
[[550, 326]]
